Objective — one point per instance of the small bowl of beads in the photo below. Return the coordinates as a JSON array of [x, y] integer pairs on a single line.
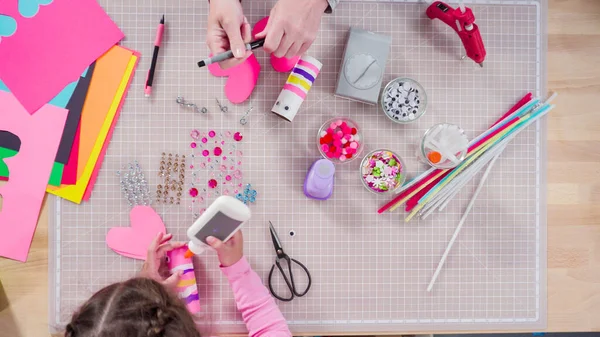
[[340, 140], [382, 171], [403, 100]]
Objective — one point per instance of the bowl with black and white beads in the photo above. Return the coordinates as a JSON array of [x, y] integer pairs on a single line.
[[403, 100]]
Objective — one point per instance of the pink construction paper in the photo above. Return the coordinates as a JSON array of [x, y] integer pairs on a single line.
[[94, 177], [30, 169], [241, 79], [133, 241], [70, 171], [53, 48], [280, 64]]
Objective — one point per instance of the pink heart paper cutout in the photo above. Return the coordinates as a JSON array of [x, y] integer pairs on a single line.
[[280, 64], [241, 79], [133, 241]]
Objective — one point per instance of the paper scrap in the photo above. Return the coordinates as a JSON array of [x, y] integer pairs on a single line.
[[29, 171], [56, 44]]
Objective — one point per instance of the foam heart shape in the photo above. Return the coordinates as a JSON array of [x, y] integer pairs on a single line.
[[8, 26], [29, 8], [133, 241], [280, 64], [241, 79]]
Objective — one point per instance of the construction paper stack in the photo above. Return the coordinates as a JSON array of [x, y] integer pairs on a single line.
[[63, 79], [112, 74]]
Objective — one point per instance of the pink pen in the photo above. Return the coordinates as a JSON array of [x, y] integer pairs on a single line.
[[150, 77]]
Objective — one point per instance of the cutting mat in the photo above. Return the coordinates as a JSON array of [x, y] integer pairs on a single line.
[[369, 271]]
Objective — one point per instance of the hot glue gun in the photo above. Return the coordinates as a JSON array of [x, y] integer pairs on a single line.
[[462, 21]]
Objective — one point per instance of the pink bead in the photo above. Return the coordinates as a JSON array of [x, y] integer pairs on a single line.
[[342, 158], [336, 136], [193, 145], [344, 125], [204, 140], [344, 140], [205, 153], [193, 192], [217, 151], [325, 148], [330, 131], [338, 122], [339, 133], [354, 145], [347, 136], [346, 130], [344, 151], [350, 150], [237, 136], [211, 133], [330, 154], [212, 183], [337, 142], [332, 126], [228, 177]]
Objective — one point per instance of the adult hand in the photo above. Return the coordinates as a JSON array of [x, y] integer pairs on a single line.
[[231, 251], [228, 29], [292, 26], [155, 266]]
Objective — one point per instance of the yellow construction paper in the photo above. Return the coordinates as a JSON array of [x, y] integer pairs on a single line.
[[76, 192]]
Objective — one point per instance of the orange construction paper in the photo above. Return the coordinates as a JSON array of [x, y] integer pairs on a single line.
[[99, 99]]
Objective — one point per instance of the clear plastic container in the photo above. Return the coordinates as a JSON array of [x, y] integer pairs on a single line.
[[382, 181], [406, 111], [443, 146], [347, 151]]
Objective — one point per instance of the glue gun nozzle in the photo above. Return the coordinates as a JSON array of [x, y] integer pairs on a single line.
[[481, 64]]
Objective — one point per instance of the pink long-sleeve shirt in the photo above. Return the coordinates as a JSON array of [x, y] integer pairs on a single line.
[[259, 311]]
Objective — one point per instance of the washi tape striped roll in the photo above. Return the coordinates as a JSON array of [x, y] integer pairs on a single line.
[[187, 289], [296, 87]]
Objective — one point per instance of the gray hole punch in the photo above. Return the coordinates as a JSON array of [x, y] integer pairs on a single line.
[[363, 65]]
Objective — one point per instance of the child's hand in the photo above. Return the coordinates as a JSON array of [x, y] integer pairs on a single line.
[[229, 252], [155, 266]]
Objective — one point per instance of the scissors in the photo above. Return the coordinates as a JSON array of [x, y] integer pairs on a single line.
[[281, 255]]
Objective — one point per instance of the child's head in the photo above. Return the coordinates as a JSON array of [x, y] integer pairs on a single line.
[[137, 307]]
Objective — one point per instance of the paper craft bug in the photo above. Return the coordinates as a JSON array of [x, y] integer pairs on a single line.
[[187, 289], [297, 86]]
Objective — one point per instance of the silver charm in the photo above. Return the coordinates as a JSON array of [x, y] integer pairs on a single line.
[[244, 119], [223, 108], [181, 101]]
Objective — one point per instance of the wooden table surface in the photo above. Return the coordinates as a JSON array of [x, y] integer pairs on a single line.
[[573, 190]]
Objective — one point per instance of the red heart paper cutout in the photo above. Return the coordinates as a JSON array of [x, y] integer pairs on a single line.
[[133, 241], [241, 79], [280, 64]]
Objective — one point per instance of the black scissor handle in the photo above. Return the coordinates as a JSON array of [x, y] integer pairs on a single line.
[[289, 281], [307, 274]]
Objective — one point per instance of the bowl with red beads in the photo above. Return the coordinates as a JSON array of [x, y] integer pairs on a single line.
[[382, 171], [340, 140]]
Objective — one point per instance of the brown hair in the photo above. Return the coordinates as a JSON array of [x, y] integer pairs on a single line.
[[139, 307]]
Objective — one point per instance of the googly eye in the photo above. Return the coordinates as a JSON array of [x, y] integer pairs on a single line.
[[286, 107], [167, 259]]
